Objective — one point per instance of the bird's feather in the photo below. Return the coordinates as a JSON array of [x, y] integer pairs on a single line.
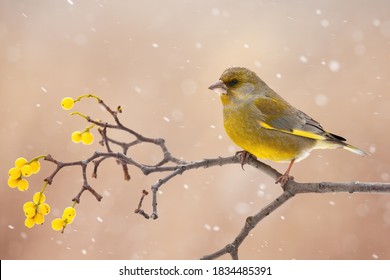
[[283, 117]]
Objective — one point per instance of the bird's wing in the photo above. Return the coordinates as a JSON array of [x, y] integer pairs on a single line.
[[283, 117]]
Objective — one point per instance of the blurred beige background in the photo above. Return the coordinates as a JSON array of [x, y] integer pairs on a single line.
[[331, 59]]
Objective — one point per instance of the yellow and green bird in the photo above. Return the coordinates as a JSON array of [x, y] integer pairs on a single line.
[[261, 122]]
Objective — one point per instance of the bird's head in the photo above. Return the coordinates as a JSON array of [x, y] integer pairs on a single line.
[[237, 84]]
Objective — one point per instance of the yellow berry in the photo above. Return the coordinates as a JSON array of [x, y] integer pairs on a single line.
[[26, 170], [76, 136], [29, 222], [30, 212], [27, 205], [20, 162], [39, 198], [12, 183], [39, 219], [14, 173], [22, 185], [67, 103], [57, 224], [87, 138], [44, 208], [69, 214], [35, 166]]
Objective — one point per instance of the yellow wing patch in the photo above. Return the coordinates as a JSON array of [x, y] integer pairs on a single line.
[[296, 132]]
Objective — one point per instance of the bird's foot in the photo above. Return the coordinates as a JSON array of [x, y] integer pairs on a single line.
[[284, 179], [244, 156]]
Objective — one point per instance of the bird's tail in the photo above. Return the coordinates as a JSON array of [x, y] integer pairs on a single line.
[[354, 150]]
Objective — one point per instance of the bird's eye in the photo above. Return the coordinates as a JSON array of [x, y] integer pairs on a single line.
[[232, 82]]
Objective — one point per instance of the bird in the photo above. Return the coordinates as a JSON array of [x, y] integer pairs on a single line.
[[265, 125]]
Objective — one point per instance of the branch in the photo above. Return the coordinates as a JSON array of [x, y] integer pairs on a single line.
[[173, 166], [291, 189]]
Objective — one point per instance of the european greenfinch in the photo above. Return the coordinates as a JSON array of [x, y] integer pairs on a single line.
[[265, 125]]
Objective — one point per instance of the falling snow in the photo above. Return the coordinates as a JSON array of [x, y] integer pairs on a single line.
[[198, 45], [303, 59], [321, 100], [334, 65], [260, 193], [213, 228], [324, 23], [215, 12], [216, 228], [258, 64], [137, 89], [376, 22], [242, 208], [385, 176]]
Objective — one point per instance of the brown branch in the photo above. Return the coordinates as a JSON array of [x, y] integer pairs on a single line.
[[173, 167], [293, 188]]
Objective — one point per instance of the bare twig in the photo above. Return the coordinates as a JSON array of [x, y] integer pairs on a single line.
[[139, 208]]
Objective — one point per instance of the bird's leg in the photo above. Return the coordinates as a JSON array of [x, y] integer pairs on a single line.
[[286, 176], [244, 156]]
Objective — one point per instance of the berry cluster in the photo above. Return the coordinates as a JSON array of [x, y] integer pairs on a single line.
[[67, 218], [85, 137], [36, 210], [23, 169]]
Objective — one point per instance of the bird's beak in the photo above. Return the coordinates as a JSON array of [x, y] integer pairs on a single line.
[[219, 87]]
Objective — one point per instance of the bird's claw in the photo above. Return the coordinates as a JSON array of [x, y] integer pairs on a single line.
[[284, 179], [244, 156]]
